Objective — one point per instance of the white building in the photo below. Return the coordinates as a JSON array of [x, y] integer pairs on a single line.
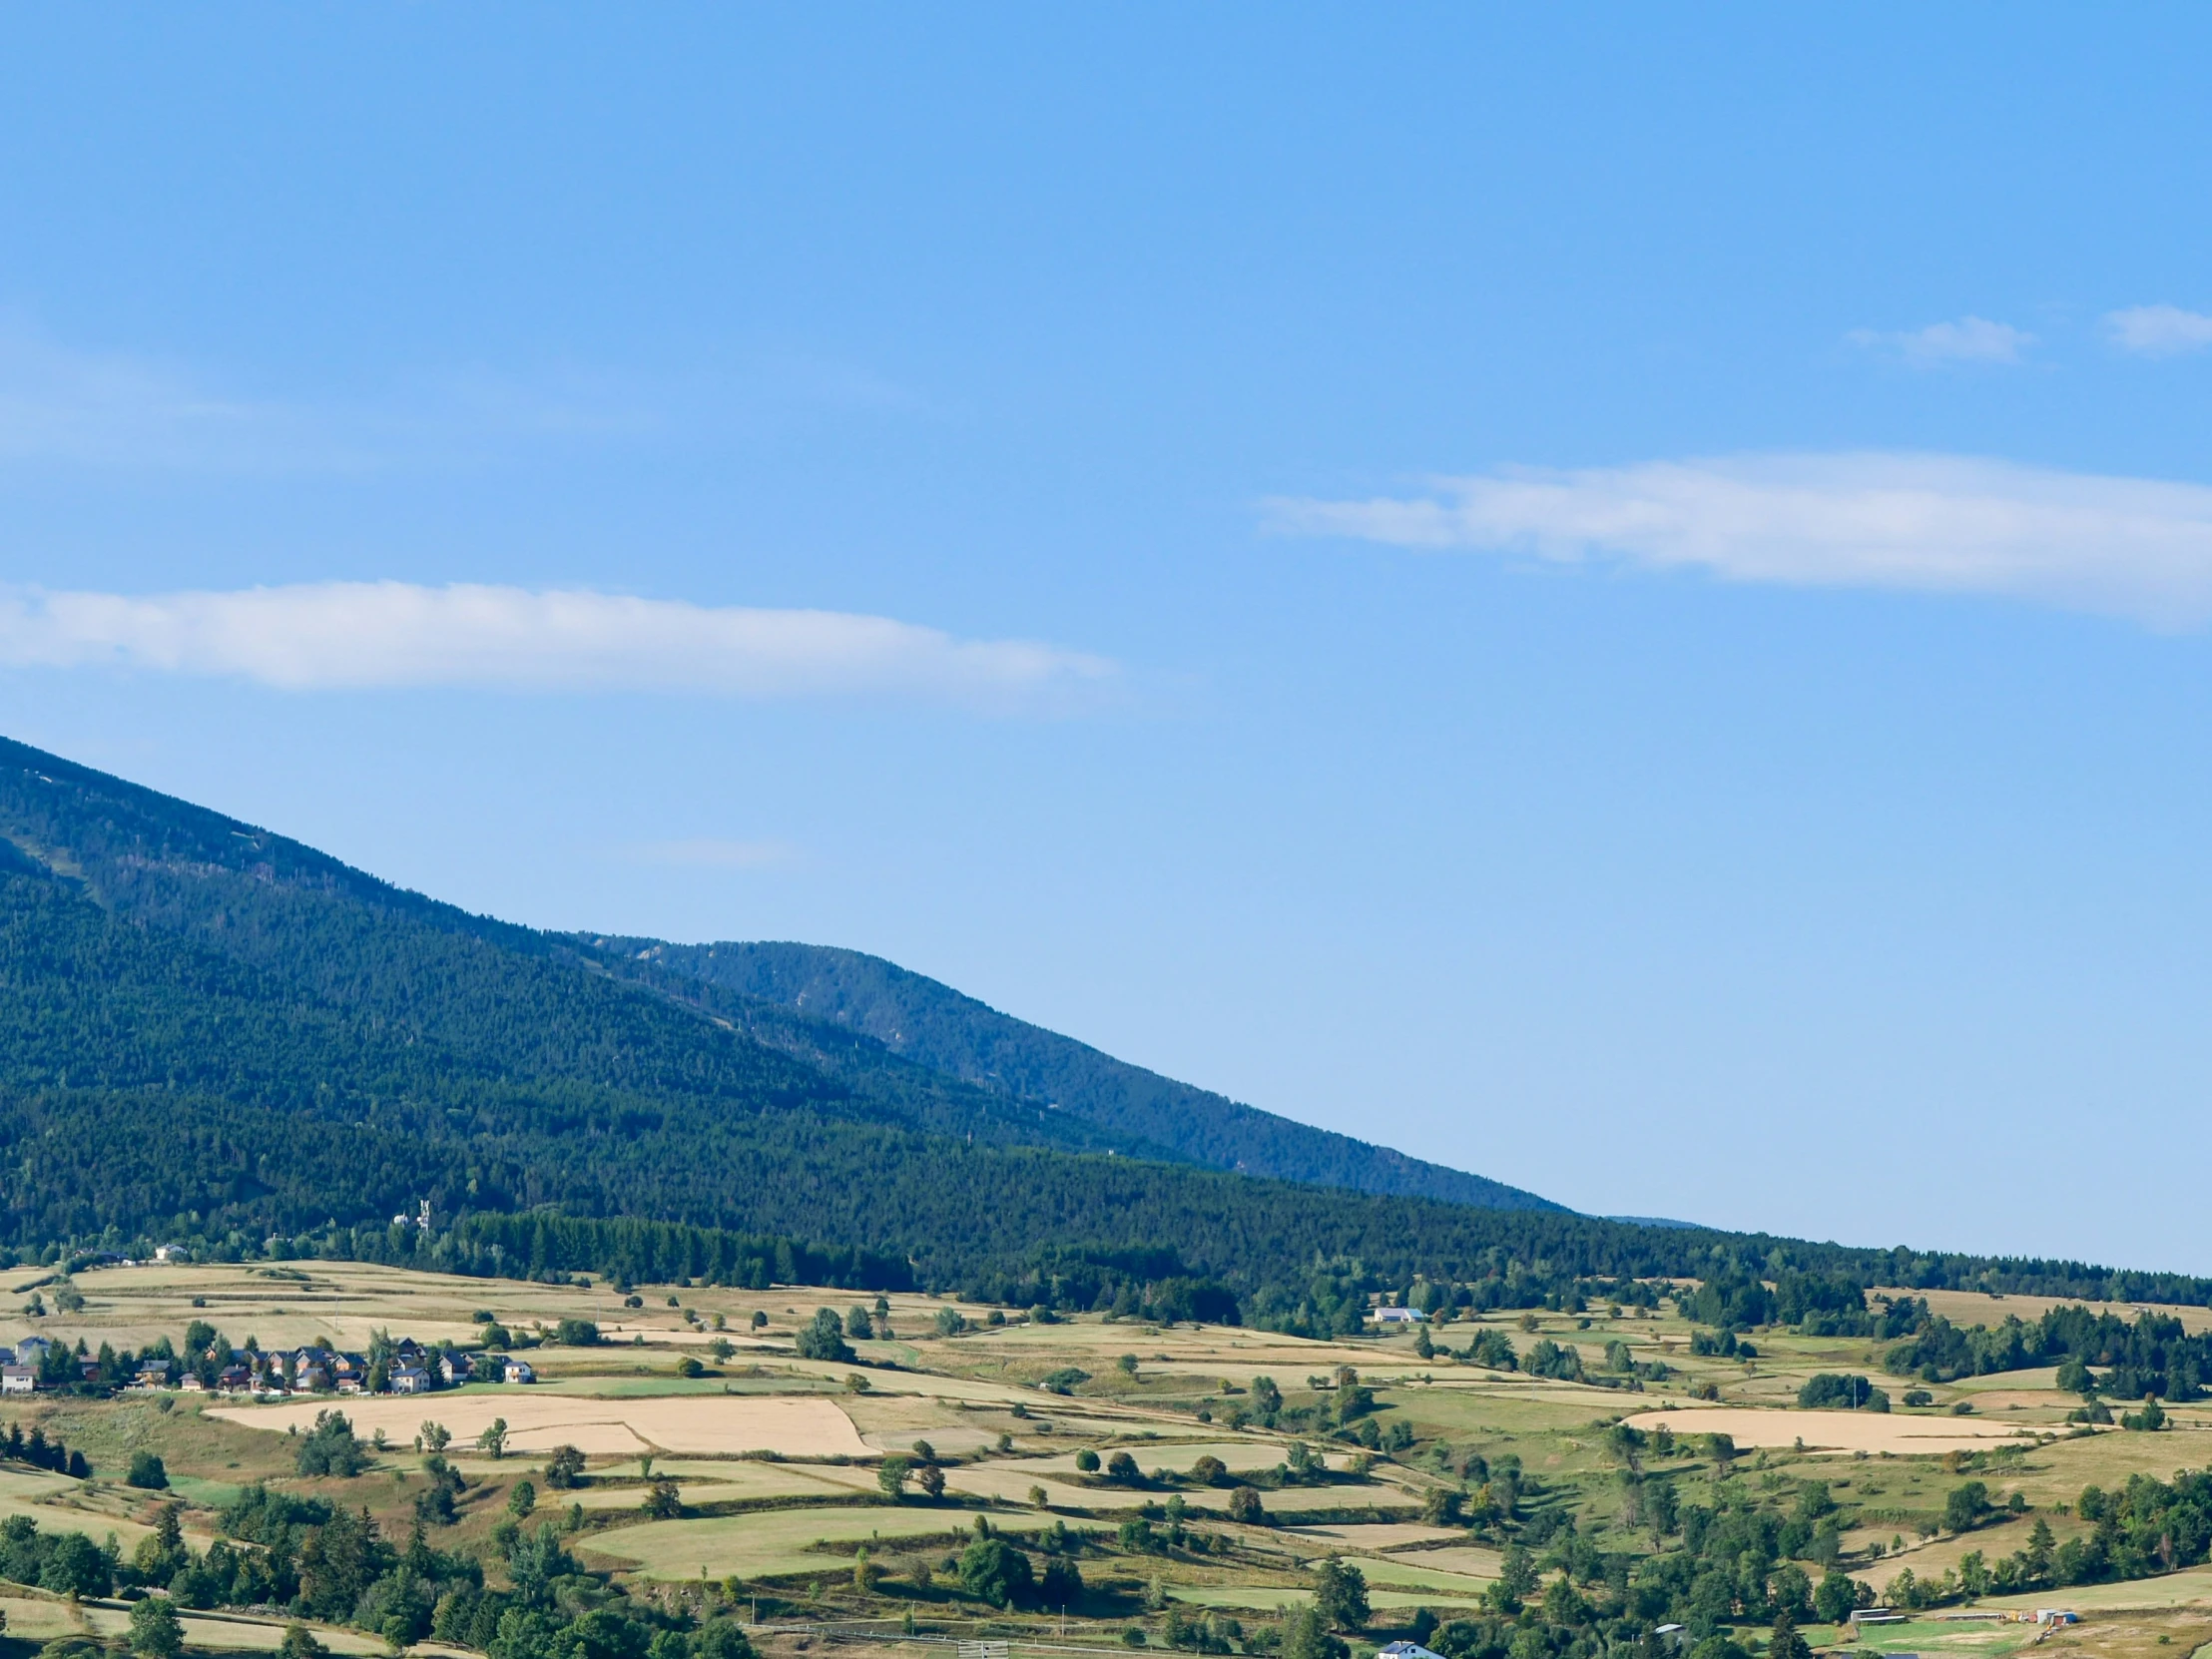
[[18, 1380], [517, 1370]]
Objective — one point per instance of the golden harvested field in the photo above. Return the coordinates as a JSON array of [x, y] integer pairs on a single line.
[[1408, 1573], [1377, 1535], [1892, 1432], [1976, 1307], [592, 1423], [772, 1542]]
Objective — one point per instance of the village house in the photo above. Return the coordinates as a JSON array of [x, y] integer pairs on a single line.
[[409, 1379], [517, 1370], [18, 1380]]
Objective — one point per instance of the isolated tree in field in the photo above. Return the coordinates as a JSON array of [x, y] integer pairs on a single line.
[[1306, 1635], [146, 1471], [299, 1643], [857, 1325], [1086, 1462], [1517, 1575], [1127, 1364], [522, 1499], [1123, 1468], [996, 1571], [156, 1630], [1245, 1506], [329, 1449], [1209, 1470], [892, 1474], [759, 1320], [662, 1499], [822, 1337], [931, 1481], [1836, 1596], [1966, 1506], [564, 1469], [1062, 1583], [1340, 1594], [434, 1436], [1267, 1398], [493, 1440]]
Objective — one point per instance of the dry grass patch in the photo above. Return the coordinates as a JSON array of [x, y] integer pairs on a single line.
[[540, 1421], [1872, 1431], [1375, 1535], [773, 1543]]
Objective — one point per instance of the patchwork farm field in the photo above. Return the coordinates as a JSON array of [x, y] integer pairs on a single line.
[[691, 1452]]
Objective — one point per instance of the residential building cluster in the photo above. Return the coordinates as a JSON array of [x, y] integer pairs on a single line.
[[406, 1368]]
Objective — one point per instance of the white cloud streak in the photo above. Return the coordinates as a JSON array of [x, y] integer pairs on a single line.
[[2136, 547], [1970, 339], [362, 635], [2158, 331]]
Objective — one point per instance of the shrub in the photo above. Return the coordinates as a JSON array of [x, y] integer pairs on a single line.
[[329, 1448], [996, 1571], [147, 1473]]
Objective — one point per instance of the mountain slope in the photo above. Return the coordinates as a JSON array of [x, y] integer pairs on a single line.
[[938, 1027], [213, 1033], [240, 967]]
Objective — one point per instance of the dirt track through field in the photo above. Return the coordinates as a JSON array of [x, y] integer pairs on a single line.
[[700, 1424]]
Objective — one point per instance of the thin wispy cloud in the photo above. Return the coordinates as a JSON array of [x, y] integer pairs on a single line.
[[1970, 339], [362, 635], [2158, 331], [2137, 547], [61, 405], [110, 409], [709, 852]]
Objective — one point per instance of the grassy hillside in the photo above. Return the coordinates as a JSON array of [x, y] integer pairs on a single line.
[[934, 1025]]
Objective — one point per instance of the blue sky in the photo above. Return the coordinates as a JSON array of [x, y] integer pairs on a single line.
[[1616, 599]]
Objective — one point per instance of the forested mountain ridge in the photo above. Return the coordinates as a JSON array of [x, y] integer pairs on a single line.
[[210, 1032], [530, 1004], [250, 967], [938, 1027]]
